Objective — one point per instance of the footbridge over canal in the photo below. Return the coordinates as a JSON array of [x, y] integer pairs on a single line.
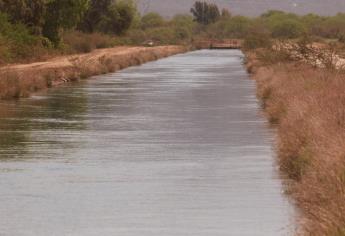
[[219, 44]]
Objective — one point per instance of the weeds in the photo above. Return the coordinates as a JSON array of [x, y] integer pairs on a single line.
[[10, 86], [49, 80], [78, 42], [308, 106]]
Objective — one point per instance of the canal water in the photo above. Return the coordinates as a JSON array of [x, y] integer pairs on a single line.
[[176, 147]]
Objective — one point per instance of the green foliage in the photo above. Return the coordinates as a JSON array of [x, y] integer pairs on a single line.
[[162, 35], [183, 21], [288, 29], [127, 12], [333, 27], [178, 30], [205, 13], [28, 12], [62, 14], [183, 26], [272, 18], [257, 40], [45, 17], [312, 22], [152, 20], [235, 27], [16, 41], [107, 16], [93, 16], [40, 24]]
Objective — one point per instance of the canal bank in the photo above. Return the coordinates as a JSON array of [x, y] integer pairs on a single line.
[[22, 80], [306, 105]]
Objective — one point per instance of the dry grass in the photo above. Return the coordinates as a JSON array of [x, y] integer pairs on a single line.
[[308, 106], [15, 84], [21, 80], [78, 42]]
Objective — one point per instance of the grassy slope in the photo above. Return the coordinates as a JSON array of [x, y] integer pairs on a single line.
[[308, 106]]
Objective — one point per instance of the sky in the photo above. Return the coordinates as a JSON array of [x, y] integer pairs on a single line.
[[168, 8]]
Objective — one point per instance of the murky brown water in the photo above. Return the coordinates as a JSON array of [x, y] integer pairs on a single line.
[[175, 147]]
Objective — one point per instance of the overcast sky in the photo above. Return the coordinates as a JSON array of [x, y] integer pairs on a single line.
[[169, 8]]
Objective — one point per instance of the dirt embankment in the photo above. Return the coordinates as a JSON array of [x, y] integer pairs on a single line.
[[307, 105], [21, 80]]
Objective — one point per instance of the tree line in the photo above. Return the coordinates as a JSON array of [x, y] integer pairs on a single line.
[[275, 24], [45, 27], [49, 18]]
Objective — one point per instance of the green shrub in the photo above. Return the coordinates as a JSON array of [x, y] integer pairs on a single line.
[[17, 43], [235, 27], [152, 20], [162, 35], [288, 29]]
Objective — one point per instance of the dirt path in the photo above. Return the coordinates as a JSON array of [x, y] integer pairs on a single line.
[[22, 79]]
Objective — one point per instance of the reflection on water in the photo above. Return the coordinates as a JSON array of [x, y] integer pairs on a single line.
[[173, 147], [25, 124]]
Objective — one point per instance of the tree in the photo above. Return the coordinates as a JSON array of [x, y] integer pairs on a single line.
[[183, 26], [28, 12], [46, 17], [152, 20], [97, 10], [288, 29], [334, 26], [108, 16], [235, 27], [205, 13], [62, 14], [126, 11], [258, 36]]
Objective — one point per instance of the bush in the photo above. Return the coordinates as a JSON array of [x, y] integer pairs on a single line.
[[162, 35], [137, 36], [257, 40], [18, 44], [269, 56], [152, 20], [288, 29], [333, 27], [5, 53], [205, 13], [235, 27], [78, 42], [341, 38]]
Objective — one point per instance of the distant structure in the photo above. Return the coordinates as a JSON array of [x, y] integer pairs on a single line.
[[219, 44]]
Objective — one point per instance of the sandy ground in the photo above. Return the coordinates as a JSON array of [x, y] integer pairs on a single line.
[[92, 57]]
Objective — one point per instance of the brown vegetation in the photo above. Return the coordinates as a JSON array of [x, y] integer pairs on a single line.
[[308, 106], [79, 42], [21, 80]]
